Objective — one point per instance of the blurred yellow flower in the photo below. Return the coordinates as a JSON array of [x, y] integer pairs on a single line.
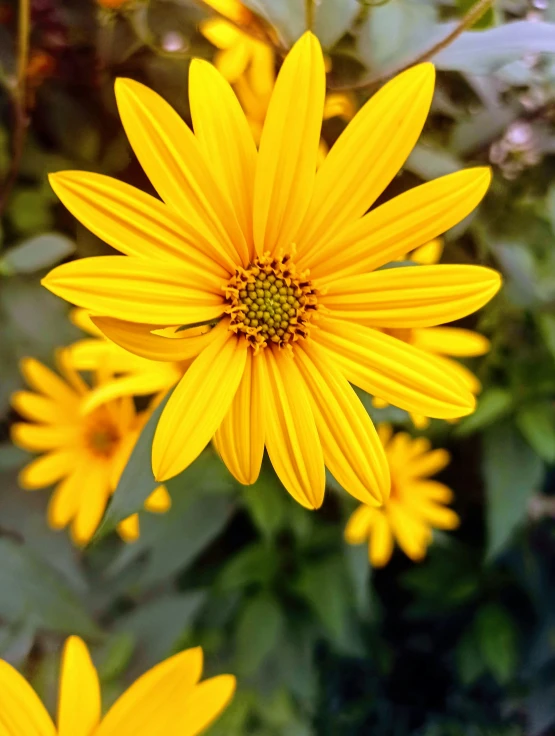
[[85, 454], [416, 504], [263, 248], [168, 699], [440, 341]]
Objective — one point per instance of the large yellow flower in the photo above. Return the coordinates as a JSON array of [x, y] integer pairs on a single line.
[[282, 260], [415, 506], [85, 453], [168, 699]]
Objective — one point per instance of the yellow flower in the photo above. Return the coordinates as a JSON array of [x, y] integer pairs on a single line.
[[415, 506], [238, 50], [168, 699], [282, 260], [85, 453], [440, 341]]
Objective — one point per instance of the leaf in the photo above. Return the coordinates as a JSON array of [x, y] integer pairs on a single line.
[[157, 626], [512, 472], [394, 32], [137, 481], [546, 323], [323, 586], [30, 210], [493, 404], [258, 631], [537, 423], [333, 18], [484, 52], [32, 591], [468, 658], [39, 252], [286, 16], [520, 270], [497, 640], [430, 161], [266, 501], [253, 565]]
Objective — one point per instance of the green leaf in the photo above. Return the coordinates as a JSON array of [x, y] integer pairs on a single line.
[[157, 626], [253, 565], [468, 658], [30, 210], [258, 630], [512, 472], [315, 585], [497, 640], [39, 252], [267, 502], [493, 404], [484, 52], [546, 324], [32, 591], [333, 18], [137, 481], [537, 423]]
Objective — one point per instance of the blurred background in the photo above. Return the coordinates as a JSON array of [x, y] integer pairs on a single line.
[[462, 642]]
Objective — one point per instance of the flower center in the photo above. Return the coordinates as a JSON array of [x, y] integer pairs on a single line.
[[102, 438], [270, 302]]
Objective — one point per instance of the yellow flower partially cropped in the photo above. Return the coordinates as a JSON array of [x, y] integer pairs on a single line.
[[280, 261], [169, 699], [84, 454], [415, 506], [237, 49], [441, 342]]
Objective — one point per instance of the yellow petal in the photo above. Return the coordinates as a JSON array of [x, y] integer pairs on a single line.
[[225, 138], [139, 340], [289, 147], [412, 534], [38, 438], [240, 437], [232, 62], [464, 374], [429, 463], [419, 421], [137, 224], [412, 297], [451, 341], [21, 712], [366, 156], [400, 225], [429, 253], [221, 34], [38, 408], [232, 9], [352, 449], [129, 529], [159, 501], [153, 704], [95, 492], [386, 367], [204, 704], [81, 318], [66, 497], [358, 526], [438, 516], [380, 545], [198, 404], [339, 104], [137, 290], [170, 155], [47, 469], [433, 491], [385, 432], [79, 695], [291, 435], [44, 381], [139, 385]]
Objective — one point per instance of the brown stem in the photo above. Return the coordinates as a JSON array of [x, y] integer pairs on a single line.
[[467, 21], [309, 14], [19, 103]]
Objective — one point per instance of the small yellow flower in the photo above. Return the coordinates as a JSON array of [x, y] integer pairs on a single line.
[[280, 261], [85, 454], [441, 342], [168, 699], [415, 505]]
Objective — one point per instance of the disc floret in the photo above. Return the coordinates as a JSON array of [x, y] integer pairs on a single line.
[[270, 302]]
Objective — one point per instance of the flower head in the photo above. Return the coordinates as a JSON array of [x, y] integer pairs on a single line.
[[415, 506], [229, 215], [84, 453], [168, 699]]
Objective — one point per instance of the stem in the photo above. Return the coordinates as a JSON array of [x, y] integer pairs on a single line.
[[309, 14], [18, 95], [467, 21]]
